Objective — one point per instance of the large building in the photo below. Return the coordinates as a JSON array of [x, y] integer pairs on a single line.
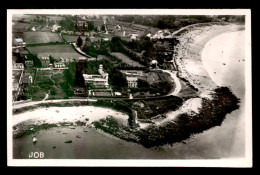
[[81, 24], [132, 77], [97, 80], [132, 82]]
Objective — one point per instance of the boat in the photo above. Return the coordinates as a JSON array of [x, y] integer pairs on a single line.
[[34, 140], [69, 141]]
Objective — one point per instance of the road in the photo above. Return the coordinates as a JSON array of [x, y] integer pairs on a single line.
[[80, 51], [32, 103], [175, 80]]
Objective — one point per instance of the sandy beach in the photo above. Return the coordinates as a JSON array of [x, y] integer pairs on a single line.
[[54, 115], [188, 56], [215, 57]]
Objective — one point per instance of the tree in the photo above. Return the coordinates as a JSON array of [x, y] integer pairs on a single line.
[[103, 27], [116, 44], [52, 60], [90, 26], [36, 61], [79, 41]]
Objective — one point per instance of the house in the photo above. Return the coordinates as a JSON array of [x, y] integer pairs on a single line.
[[28, 63], [81, 24], [97, 80], [18, 66], [133, 36], [105, 39], [33, 29], [132, 82], [118, 94], [154, 63], [55, 27], [45, 60], [117, 27], [19, 42], [59, 64], [149, 35], [162, 34]]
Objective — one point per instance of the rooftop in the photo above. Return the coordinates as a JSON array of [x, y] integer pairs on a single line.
[[131, 78], [19, 40]]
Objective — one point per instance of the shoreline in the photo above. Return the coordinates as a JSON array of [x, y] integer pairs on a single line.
[[188, 57], [184, 122]]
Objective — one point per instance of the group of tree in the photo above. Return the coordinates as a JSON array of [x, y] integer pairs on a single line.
[[176, 21], [36, 61], [67, 23], [40, 19]]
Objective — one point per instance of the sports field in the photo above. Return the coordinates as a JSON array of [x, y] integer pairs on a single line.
[[41, 37], [56, 51]]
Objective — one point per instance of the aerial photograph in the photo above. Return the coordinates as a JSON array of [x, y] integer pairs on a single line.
[[128, 86]]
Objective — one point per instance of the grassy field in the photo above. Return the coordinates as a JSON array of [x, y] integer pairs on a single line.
[[18, 28], [126, 59], [47, 81], [72, 38], [56, 51], [41, 37], [22, 17]]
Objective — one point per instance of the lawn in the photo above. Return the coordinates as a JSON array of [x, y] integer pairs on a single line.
[[56, 51], [126, 59], [48, 81], [41, 37]]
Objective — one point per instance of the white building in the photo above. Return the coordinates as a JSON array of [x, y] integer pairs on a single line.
[[132, 82], [18, 66], [97, 80], [59, 65], [19, 42], [149, 35], [55, 27], [133, 36]]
